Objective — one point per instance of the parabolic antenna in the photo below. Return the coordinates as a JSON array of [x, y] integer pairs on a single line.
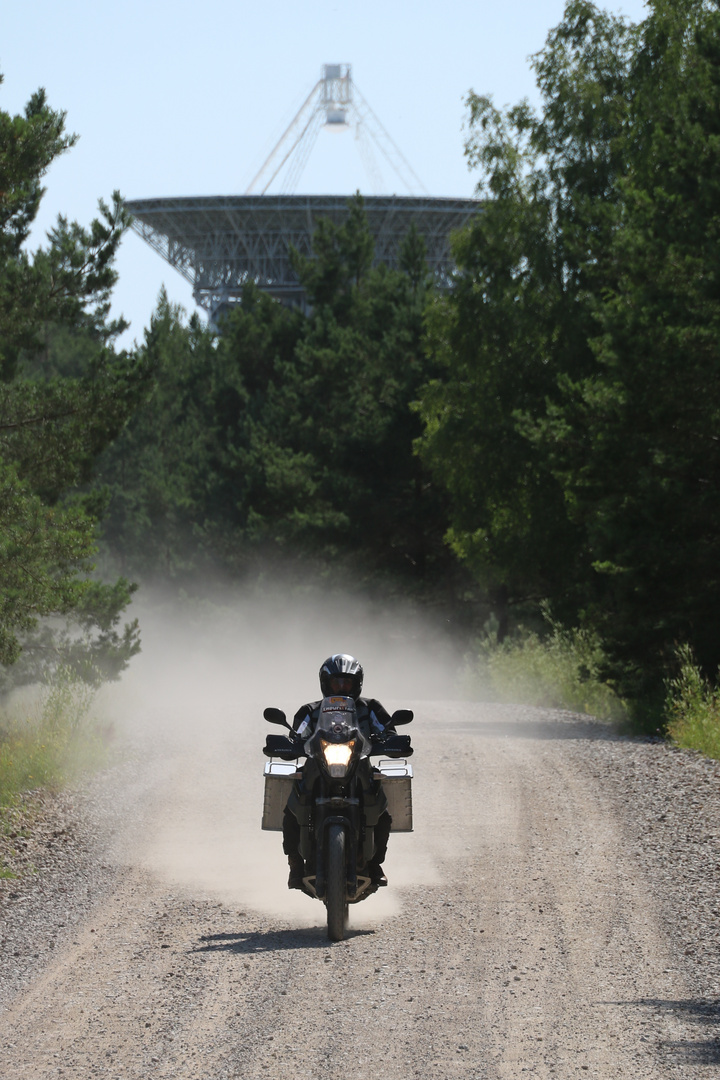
[[219, 243]]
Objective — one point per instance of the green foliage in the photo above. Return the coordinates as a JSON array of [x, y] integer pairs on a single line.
[[68, 283], [65, 394], [561, 669], [53, 742], [342, 257], [164, 495], [518, 317], [634, 440], [692, 707], [288, 437], [574, 418]]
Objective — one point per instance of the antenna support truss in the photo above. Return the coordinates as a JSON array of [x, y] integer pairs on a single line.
[[334, 102]]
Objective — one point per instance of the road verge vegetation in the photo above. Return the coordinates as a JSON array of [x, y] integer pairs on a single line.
[[565, 669], [560, 670], [47, 742], [692, 708]]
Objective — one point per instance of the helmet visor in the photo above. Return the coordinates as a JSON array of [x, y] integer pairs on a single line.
[[342, 684]]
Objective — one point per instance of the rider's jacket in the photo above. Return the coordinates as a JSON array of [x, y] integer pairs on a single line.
[[371, 715]]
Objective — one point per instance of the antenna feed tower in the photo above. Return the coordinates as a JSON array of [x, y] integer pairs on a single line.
[[336, 94], [335, 103]]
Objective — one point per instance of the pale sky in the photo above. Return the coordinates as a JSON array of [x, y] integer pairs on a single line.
[[180, 99]]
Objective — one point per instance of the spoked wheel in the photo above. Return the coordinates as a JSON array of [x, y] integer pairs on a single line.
[[336, 894]]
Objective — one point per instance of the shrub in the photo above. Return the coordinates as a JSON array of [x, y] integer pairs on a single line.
[[559, 670], [692, 708], [49, 742]]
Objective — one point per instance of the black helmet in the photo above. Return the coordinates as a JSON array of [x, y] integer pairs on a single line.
[[339, 666]]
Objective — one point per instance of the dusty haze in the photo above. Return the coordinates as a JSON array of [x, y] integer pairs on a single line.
[[559, 920], [190, 710]]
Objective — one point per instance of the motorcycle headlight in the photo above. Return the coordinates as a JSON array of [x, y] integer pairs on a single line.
[[337, 756]]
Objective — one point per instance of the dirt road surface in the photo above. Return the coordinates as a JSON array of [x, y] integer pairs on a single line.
[[528, 929]]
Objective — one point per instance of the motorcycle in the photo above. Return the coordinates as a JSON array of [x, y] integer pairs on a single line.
[[338, 797]]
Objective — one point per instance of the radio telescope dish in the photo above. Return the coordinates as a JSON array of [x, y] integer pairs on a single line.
[[219, 243]]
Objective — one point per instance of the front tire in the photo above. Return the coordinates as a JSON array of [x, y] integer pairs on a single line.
[[336, 892]]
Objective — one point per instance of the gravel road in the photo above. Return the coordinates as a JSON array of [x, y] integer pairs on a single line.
[[554, 914]]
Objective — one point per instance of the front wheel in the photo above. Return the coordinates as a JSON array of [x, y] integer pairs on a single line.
[[336, 891]]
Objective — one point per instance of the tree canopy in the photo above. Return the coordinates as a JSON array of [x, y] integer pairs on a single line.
[[287, 439], [65, 393], [574, 420]]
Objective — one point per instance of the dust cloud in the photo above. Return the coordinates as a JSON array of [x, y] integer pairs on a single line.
[[190, 711]]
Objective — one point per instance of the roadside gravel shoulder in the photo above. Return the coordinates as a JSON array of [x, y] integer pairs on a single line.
[[668, 800], [59, 846]]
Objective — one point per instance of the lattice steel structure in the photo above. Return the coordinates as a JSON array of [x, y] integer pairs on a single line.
[[334, 103], [221, 242]]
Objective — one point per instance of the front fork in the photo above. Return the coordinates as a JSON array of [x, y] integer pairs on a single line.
[[357, 811], [340, 810]]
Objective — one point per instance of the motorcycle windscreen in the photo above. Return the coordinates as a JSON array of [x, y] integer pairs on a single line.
[[338, 717]]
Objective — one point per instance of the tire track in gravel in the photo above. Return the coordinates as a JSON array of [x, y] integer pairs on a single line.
[[521, 934]]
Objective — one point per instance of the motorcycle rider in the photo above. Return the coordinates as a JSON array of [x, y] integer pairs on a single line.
[[340, 675]]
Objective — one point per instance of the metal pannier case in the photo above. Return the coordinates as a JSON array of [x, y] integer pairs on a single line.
[[279, 779], [397, 785]]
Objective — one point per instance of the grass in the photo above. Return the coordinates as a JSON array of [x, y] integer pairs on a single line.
[[561, 670], [50, 741], [692, 708], [46, 744]]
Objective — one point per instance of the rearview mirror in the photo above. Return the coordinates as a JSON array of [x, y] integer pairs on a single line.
[[402, 716], [275, 716]]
